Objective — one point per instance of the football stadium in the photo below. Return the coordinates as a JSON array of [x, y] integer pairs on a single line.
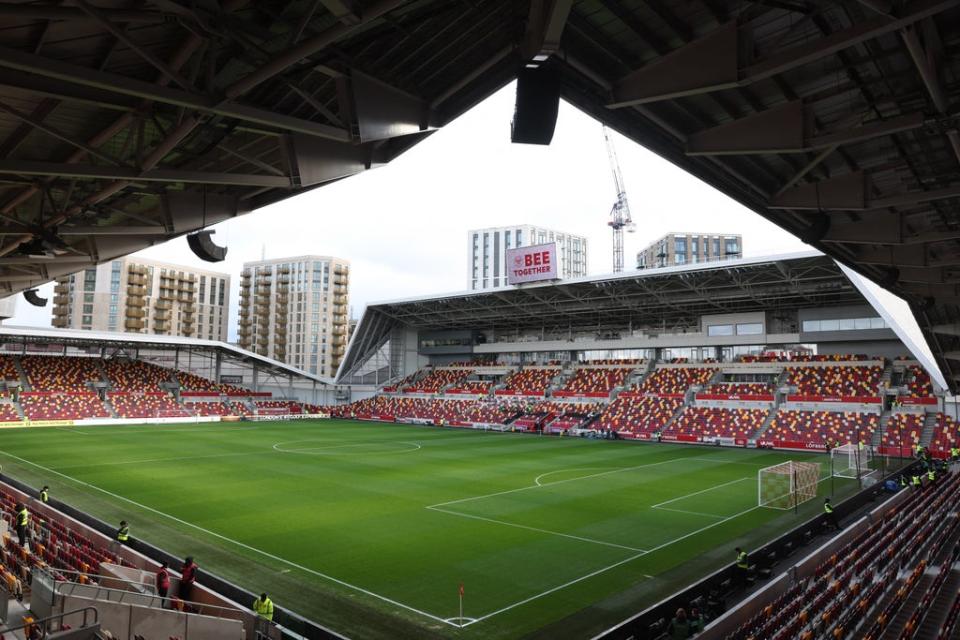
[[762, 447]]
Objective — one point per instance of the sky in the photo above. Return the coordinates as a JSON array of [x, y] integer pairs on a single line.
[[403, 226]]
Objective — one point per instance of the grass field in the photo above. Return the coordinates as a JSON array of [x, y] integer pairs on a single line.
[[369, 528]]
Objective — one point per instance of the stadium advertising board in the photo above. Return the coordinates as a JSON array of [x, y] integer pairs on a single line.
[[532, 264]]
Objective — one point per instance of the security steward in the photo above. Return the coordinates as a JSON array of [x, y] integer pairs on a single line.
[[123, 533], [263, 607], [23, 519], [915, 481], [743, 566], [931, 475], [831, 516], [45, 494], [954, 454]]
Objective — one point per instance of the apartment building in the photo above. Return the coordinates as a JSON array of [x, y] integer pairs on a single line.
[[295, 310], [137, 295], [689, 248], [487, 253]]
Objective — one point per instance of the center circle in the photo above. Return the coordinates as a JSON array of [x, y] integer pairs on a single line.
[[350, 449]]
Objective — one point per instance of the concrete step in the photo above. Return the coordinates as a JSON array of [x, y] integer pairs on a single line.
[[940, 607], [929, 426]]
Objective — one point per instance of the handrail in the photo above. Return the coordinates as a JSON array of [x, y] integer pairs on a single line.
[[44, 622]]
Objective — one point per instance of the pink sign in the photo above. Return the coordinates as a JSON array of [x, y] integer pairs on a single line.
[[532, 264]]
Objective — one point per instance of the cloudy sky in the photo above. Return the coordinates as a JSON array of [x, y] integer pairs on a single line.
[[404, 226]]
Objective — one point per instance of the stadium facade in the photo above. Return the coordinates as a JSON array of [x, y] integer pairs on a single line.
[[139, 295]]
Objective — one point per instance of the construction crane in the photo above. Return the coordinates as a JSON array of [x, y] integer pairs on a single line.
[[620, 213]]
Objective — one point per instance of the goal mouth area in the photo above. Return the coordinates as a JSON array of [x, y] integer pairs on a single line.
[[788, 484]]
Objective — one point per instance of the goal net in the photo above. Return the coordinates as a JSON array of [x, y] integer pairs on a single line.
[[852, 461], [788, 484]]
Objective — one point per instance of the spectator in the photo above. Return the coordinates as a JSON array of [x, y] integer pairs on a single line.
[[696, 621], [679, 627], [188, 575], [163, 583]]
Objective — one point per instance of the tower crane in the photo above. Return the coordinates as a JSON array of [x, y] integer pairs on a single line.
[[620, 212]]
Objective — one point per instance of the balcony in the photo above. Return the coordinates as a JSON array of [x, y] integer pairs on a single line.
[[263, 340], [161, 325], [135, 312], [187, 277], [263, 290], [340, 300], [61, 289], [136, 280], [284, 280], [283, 299], [246, 342], [137, 269], [279, 354], [167, 293], [61, 300], [136, 291], [163, 305], [339, 341], [161, 314], [133, 324], [187, 288], [244, 292], [61, 310], [341, 280], [245, 321], [281, 332], [61, 322], [340, 290], [245, 333], [339, 318], [283, 270], [341, 270], [184, 298]]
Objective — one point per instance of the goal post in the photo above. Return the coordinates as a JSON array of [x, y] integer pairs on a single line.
[[852, 461], [788, 484]]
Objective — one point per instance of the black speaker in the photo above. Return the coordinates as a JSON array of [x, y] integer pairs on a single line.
[[818, 228], [535, 111], [201, 244], [34, 299]]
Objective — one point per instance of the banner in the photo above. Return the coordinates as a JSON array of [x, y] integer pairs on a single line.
[[525, 394], [847, 399], [225, 379], [735, 396], [532, 264], [909, 401], [581, 394]]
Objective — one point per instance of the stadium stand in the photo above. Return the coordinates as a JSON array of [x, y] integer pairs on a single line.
[[48, 405], [820, 427], [192, 382], [638, 415], [135, 375], [9, 413], [438, 379], [8, 370], [838, 381], [946, 434], [281, 407], [60, 373], [917, 383], [145, 405], [674, 380], [741, 388], [902, 431], [716, 422], [858, 589], [472, 387], [594, 382], [529, 381]]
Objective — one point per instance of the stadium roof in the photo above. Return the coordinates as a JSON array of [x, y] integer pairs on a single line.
[[81, 338], [671, 296], [124, 125]]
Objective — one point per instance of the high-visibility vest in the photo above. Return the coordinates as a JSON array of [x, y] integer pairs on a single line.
[[915, 481], [263, 608], [931, 476], [954, 452], [44, 496], [23, 516], [742, 560], [123, 533], [827, 507]]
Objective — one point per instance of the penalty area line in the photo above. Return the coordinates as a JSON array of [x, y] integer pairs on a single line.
[[696, 493], [242, 545]]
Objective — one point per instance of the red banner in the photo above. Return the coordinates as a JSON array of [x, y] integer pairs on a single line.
[[901, 452], [136, 393], [735, 396], [581, 394], [849, 399], [511, 392], [28, 394], [794, 444], [630, 435], [638, 394], [915, 401], [682, 437]]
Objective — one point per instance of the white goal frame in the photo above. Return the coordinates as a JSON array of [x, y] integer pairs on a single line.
[[788, 484], [851, 461]]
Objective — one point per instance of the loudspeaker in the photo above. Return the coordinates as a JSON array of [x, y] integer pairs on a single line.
[[201, 244], [34, 299], [817, 230], [535, 111]]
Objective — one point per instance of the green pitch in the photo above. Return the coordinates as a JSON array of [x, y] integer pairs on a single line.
[[369, 529]]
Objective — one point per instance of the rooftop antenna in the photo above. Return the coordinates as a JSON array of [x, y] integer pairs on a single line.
[[620, 218]]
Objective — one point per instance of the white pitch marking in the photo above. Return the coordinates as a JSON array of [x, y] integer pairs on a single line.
[[550, 484], [692, 513], [536, 480], [310, 451], [76, 431], [696, 493], [538, 530], [242, 545]]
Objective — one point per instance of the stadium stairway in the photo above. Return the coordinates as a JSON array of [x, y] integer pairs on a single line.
[[930, 423], [24, 380], [877, 438], [908, 607], [110, 408], [939, 609], [886, 378], [766, 424]]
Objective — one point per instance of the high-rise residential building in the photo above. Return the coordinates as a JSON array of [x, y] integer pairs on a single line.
[[295, 310], [689, 248], [487, 250], [137, 295]]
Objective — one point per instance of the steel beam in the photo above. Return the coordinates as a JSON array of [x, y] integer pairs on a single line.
[[851, 192], [343, 10], [112, 231], [74, 74], [545, 23], [919, 255], [97, 172], [712, 63]]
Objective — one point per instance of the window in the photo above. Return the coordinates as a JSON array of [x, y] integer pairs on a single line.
[[829, 325], [877, 323], [87, 320], [811, 326], [88, 308], [679, 258], [731, 246], [720, 330], [716, 247], [845, 324], [750, 329]]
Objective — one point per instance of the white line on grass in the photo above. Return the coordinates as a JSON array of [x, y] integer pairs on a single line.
[[536, 480], [696, 493], [310, 451], [523, 526], [550, 484], [242, 545], [74, 430], [692, 513]]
